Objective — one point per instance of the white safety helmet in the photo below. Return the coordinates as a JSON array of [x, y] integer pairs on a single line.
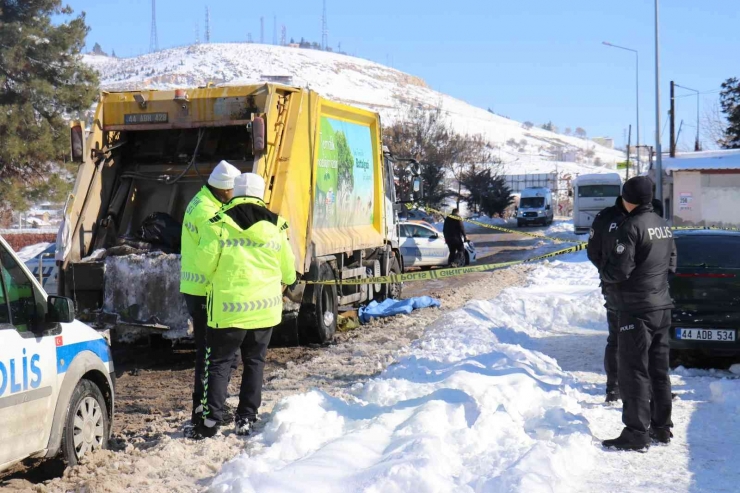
[[223, 175], [249, 185]]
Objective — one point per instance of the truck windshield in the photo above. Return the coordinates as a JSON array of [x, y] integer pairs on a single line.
[[590, 191], [532, 202], [708, 252]]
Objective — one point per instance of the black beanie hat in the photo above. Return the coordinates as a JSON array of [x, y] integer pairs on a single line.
[[638, 190]]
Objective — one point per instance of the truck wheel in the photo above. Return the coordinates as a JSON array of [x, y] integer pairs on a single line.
[[518, 223], [86, 427], [320, 310], [394, 290]]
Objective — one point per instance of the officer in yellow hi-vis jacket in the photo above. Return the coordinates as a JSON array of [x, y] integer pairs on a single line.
[[218, 191], [247, 258]]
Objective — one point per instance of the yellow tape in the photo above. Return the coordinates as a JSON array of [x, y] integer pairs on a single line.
[[707, 228], [505, 230], [431, 275]]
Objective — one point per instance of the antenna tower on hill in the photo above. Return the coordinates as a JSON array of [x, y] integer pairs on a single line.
[[284, 36], [262, 30], [153, 40], [208, 25], [197, 34], [324, 30], [249, 38]]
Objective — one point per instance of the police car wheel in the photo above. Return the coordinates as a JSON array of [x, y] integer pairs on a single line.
[[86, 428]]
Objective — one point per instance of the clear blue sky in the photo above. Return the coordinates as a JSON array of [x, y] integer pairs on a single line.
[[535, 60]]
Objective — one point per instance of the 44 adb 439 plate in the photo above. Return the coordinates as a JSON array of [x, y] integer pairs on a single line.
[[714, 335]]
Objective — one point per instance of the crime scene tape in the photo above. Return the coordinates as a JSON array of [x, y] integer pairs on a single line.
[[704, 228], [431, 275], [499, 228]]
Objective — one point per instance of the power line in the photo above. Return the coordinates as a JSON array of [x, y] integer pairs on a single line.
[[153, 39]]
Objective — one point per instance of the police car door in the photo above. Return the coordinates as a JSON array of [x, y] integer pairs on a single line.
[[28, 376]]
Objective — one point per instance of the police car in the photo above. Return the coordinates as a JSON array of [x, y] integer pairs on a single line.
[[424, 246], [56, 373], [44, 267]]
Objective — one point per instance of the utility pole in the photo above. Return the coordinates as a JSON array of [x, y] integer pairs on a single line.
[[324, 29], [629, 144], [284, 36], [262, 30], [208, 25], [673, 120], [658, 147], [153, 39]]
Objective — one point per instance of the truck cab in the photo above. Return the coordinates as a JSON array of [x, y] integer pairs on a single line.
[[591, 194], [56, 373], [535, 207]]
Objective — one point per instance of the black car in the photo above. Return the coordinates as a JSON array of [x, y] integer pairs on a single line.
[[706, 292]]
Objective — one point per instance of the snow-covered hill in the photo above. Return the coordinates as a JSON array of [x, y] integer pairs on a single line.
[[354, 81]]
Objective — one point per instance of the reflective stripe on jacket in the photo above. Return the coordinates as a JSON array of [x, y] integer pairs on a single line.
[[202, 208], [246, 256]]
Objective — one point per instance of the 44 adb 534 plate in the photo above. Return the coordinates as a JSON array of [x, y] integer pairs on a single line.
[[715, 335]]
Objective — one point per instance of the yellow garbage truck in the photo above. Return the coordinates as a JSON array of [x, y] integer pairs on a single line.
[[146, 154]]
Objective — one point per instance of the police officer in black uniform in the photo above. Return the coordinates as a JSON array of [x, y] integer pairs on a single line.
[[601, 241], [638, 265]]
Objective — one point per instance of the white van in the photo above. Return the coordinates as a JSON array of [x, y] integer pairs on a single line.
[[535, 206], [56, 373], [591, 195]]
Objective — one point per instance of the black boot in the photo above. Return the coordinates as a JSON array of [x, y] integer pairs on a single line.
[[629, 440], [661, 435], [612, 395], [202, 431]]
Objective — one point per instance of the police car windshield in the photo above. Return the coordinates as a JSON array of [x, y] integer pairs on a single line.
[[532, 202], [594, 191], [708, 252]]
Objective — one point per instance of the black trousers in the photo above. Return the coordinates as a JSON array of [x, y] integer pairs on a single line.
[[221, 346], [455, 247], [644, 383], [611, 353], [197, 310]]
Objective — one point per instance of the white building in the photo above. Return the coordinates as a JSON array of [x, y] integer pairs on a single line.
[[703, 188]]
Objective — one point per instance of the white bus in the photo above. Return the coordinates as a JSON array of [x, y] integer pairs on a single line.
[[591, 195]]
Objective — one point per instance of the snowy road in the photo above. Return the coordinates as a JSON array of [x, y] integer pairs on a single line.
[[501, 395]]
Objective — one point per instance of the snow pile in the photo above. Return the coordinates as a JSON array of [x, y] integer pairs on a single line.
[[470, 407], [562, 229], [352, 81], [727, 392], [32, 251]]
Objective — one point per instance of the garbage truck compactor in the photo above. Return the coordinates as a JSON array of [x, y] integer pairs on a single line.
[[147, 153]]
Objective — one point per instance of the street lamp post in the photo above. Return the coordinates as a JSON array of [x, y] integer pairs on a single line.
[[697, 144], [658, 148], [637, 96]]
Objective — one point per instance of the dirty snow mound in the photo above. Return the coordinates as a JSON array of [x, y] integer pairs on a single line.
[[462, 410]]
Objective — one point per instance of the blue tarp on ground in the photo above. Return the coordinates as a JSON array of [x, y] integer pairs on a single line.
[[389, 307]]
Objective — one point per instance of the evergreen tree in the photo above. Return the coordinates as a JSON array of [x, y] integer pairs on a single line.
[[98, 50], [42, 82], [729, 100], [486, 192], [113, 54], [548, 126]]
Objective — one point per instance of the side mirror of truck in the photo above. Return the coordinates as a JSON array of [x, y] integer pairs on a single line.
[[77, 139], [418, 189], [257, 129]]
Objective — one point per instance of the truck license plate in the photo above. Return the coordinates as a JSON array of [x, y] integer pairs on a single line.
[[143, 118], [719, 335]]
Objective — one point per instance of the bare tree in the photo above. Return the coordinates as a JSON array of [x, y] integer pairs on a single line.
[[714, 124], [472, 154]]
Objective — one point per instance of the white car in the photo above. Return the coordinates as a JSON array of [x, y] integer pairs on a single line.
[[56, 373], [45, 264], [424, 246]]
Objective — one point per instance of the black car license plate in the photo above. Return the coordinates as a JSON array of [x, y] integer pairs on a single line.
[[715, 335]]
